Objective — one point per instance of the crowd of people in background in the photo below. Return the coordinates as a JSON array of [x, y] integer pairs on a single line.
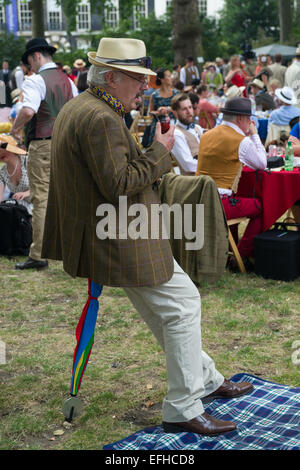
[[272, 87], [222, 79], [208, 89], [11, 101]]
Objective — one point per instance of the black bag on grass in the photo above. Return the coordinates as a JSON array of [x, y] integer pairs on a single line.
[[277, 252], [15, 228]]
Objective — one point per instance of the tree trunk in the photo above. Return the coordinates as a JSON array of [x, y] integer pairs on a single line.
[[186, 30], [37, 10], [285, 20]]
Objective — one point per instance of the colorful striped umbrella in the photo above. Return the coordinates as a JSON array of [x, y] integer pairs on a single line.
[[85, 340]]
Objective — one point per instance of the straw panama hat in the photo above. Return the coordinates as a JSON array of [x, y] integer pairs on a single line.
[[67, 69], [234, 91], [15, 94], [79, 63], [11, 145], [121, 53], [259, 83]]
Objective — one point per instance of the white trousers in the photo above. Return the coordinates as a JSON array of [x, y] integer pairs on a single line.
[[173, 313]]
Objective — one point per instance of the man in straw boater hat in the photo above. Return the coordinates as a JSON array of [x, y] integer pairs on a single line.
[[44, 94], [95, 163], [222, 153], [78, 67]]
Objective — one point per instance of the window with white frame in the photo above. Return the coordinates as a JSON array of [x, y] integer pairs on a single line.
[[83, 16], [203, 6], [54, 20], [112, 17], [2, 14], [139, 10], [25, 20]]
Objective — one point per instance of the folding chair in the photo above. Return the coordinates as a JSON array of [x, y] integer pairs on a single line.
[[234, 249], [203, 115]]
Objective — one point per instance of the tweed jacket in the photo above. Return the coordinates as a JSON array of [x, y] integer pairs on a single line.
[[94, 161]]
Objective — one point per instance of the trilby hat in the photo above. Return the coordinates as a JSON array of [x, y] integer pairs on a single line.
[[8, 143], [37, 45], [237, 106], [123, 54]]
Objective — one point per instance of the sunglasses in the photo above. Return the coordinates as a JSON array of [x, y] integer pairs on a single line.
[[3, 145], [143, 61]]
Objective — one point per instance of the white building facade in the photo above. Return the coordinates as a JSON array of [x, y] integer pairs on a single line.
[[207, 7], [16, 18]]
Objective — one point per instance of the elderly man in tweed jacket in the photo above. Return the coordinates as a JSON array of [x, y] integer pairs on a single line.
[[96, 162]]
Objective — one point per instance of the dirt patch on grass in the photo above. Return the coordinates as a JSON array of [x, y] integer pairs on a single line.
[[144, 415]]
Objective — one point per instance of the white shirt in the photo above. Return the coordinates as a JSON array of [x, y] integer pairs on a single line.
[[251, 153], [34, 88], [19, 77], [292, 80], [181, 149]]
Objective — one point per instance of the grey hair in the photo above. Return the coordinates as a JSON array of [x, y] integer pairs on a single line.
[[97, 75], [230, 117]]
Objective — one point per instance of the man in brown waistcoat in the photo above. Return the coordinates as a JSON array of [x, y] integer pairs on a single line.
[[98, 167], [44, 94], [222, 153], [189, 72], [187, 135]]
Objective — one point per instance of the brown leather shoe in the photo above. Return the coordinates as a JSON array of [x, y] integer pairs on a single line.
[[202, 424], [229, 390]]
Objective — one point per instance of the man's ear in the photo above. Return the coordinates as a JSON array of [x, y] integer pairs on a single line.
[[238, 120], [112, 79]]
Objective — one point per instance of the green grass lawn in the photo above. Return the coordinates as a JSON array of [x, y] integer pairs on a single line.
[[249, 324]]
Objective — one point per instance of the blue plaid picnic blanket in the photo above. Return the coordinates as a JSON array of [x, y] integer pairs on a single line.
[[266, 419]]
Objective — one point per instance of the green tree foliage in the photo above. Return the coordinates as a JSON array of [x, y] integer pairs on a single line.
[[296, 24], [12, 48], [213, 43], [157, 35], [155, 32], [241, 20], [68, 58]]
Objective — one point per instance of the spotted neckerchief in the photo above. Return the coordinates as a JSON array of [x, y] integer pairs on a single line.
[[111, 100]]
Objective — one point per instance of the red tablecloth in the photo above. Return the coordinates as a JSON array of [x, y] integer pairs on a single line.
[[277, 190]]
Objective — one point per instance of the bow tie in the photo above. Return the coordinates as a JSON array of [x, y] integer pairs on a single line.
[[190, 126]]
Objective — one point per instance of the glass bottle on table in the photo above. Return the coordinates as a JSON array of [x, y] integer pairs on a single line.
[[289, 157]]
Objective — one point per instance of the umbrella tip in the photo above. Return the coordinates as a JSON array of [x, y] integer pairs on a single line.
[[71, 408]]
